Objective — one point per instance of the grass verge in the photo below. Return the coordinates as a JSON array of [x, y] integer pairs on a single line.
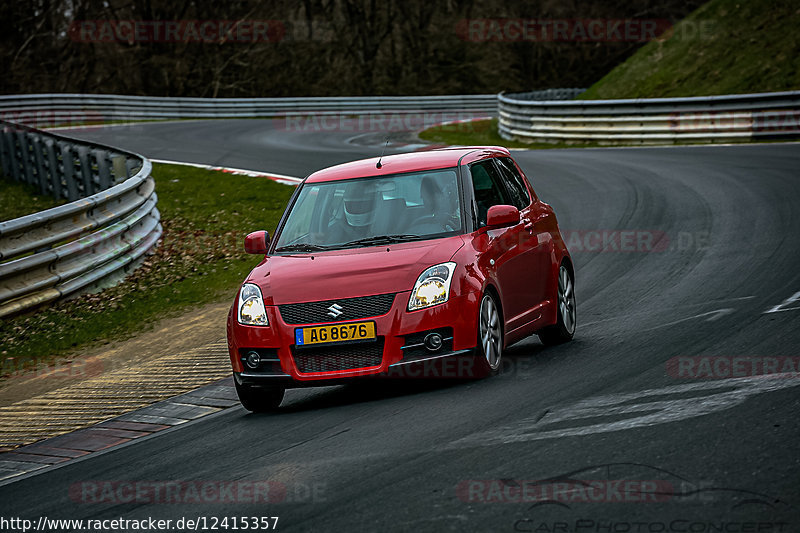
[[20, 199], [724, 47], [199, 260]]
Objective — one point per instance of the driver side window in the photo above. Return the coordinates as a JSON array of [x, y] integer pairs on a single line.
[[516, 185], [488, 189]]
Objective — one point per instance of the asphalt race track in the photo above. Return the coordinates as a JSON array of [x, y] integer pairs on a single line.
[[701, 243]]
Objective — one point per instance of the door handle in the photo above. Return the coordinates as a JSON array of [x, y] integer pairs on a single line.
[[541, 218], [528, 224]]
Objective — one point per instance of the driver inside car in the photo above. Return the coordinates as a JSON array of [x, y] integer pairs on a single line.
[[360, 205], [439, 211]]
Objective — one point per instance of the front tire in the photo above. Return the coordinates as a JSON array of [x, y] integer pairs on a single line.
[[259, 399], [564, 328], [489, 351]]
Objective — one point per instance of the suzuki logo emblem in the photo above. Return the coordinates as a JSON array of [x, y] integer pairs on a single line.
[[335, 310]]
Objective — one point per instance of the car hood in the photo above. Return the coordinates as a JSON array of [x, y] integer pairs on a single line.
[[349, 273]]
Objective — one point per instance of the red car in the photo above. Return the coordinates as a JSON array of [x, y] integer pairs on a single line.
[[386, 266]]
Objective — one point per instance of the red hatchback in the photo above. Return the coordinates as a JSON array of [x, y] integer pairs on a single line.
[[399, 266]]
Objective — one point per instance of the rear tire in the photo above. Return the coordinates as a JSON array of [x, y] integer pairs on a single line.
[[564, 328], [259, 399], [489, 351]]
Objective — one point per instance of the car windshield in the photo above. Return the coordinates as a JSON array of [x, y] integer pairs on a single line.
[[372, 211]]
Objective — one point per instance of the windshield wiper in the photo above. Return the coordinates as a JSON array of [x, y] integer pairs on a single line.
[[383, 239], [302, 247]]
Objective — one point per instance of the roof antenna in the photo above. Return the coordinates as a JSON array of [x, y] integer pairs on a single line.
[[378, 165]]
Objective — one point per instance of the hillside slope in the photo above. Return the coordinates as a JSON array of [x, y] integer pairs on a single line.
[[724, 47]]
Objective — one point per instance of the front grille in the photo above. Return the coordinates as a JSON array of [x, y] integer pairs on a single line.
[[349, 309], [343, 357]]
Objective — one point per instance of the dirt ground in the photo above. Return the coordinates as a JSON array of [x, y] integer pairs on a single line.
[[193, 329]]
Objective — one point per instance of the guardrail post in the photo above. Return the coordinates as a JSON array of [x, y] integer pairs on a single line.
[[103, 169], [130, 167], [120, 168], [40, 165], [29, 156], [85, 166], [6, 153], [68, 165], [49, 156], [20, 170]]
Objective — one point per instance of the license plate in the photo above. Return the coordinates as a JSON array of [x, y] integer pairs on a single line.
[[355, 331]]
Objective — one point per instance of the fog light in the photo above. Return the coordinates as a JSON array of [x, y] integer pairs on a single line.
[[433, 342], [253, 360]]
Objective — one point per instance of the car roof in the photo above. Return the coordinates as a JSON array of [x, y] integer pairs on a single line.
[[407, 162]]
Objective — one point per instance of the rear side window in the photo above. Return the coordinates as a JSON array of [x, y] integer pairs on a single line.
[[488, 187], [516, 184]]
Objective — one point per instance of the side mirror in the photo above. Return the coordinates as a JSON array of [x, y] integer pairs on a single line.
[[502, 215], [257, 242]]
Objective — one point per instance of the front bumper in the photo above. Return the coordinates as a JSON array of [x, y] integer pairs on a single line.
[[461, 364], [396, 330]]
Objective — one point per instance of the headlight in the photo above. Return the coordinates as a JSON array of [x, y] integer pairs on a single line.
[[432, 286], [251, 306]]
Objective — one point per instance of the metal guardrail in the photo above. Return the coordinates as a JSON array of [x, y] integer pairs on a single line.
[[651, 121], [54, 109], [549, 94], [91, 242]]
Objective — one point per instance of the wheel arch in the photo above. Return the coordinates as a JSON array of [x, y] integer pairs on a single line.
[[491, 289], [567, 262]]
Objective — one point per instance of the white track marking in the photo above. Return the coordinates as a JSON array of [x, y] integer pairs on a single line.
[[712, 316], [788, 301], [622, 317], [640, 409]]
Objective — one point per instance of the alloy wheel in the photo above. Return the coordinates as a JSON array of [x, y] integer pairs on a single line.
[[566, 299], [490, 331]]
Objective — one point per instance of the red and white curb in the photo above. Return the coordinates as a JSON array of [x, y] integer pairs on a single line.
[[280, 178]]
